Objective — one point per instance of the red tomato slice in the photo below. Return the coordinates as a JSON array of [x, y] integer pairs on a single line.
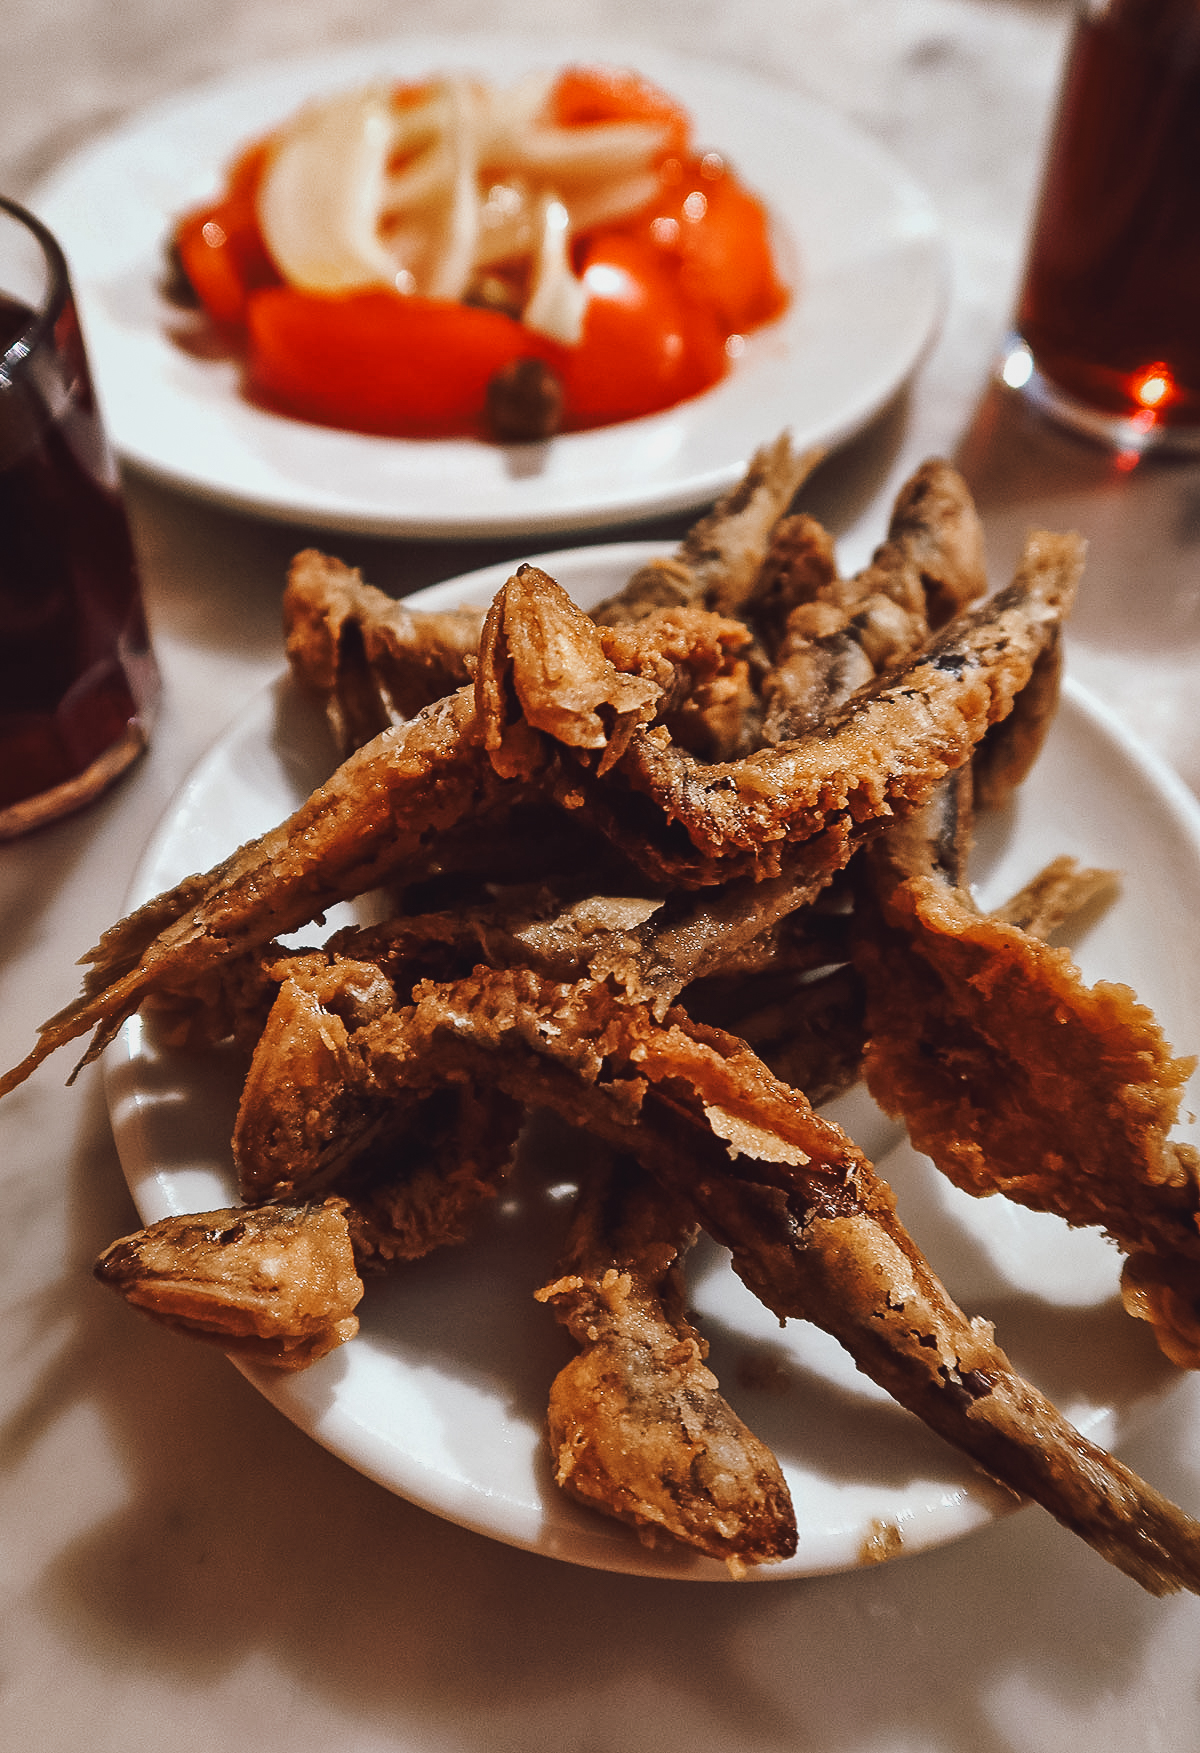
[[612, 94], [221, 246], [718, 234], [378, 362], [644, 346]]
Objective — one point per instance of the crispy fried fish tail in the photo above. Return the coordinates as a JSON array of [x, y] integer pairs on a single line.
[[637, 1423], [378, 810]]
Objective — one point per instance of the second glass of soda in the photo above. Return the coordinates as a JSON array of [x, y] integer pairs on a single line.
[[1108, 321]]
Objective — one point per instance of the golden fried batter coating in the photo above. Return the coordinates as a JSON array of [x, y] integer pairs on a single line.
[[301, 1118], [411, 1173], [932, 560], [1165, 1291], [1060, 891], [1016, 1077], [377, 812], [884, 750], [826, 636], [1011, 1073], [1006, 754]]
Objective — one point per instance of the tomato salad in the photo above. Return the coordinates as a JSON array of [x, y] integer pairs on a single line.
[[446, 260]]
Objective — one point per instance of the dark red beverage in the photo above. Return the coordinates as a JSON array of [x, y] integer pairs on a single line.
[[77, 679], [1110, 309]]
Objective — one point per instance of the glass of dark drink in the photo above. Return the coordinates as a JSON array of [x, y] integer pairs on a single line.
[[1108, 321], [78, 683]]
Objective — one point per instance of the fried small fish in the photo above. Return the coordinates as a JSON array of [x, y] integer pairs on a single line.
[[372, 661], [637, 1423], [718, 561]]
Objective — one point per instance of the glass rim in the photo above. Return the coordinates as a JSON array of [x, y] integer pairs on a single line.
[[30, 336]]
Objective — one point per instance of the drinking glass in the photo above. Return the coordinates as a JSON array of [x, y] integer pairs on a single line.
[[1108, 320], [78, 682]]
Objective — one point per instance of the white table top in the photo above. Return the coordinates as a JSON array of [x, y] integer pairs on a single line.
[[179, 1567]]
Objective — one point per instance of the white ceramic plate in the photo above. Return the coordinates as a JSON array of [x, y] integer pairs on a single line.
[[442, 1395], [871, 287]]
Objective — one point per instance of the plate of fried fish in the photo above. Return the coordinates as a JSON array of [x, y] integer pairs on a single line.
[[691, 1092], [856, 240]]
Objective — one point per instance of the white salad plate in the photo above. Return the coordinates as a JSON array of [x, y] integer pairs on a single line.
[[441, 1397], [857, 238]]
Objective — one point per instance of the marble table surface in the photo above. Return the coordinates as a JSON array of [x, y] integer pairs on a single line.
[[180, 1567]]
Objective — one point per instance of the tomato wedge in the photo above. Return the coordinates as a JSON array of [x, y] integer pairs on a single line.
[[644, 345], [379, 362], [221, 247], [718, 235], [584, 95]]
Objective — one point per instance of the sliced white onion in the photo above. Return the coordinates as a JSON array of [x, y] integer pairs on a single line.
[[508, 226], [604, 203], [603, 149], [557, 299], [451, 268], [321, 197], [361, 191], [509, 116]]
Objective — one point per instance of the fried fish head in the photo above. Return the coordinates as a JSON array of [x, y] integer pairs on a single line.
[[275, 1285]]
